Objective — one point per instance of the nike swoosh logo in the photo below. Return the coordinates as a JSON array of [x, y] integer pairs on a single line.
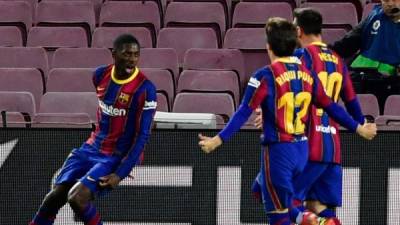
[[91, 179], [6, 149]]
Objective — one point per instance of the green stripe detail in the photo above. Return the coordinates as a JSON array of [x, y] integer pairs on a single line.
[[364, 62]]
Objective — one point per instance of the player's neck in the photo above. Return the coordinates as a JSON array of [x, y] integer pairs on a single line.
[[309, 39]]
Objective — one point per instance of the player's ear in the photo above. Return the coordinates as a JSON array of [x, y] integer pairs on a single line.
[[267, 47], [299, 31]]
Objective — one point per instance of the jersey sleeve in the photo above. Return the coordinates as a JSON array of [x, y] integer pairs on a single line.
[[335, 111], [255, 93], [146, 119], [98, 74]]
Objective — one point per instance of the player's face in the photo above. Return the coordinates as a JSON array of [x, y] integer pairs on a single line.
[[391, 8], [127, 58]]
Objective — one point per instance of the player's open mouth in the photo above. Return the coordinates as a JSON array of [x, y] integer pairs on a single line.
[[130, 69]]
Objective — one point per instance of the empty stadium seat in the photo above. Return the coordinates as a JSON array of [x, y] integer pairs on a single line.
[[162, 103], [96, 3], [70, 80], [81, 57], [69, 102], [120, 14], [103, 37], [62, 120], [10, 36], [13, 119], [358, 4], [216, 103], [16, 13], [20, 106], [160, 58], [344, 16], [182, 39], [67, 13], [210, 81], [391, 115], [330, 35], [22, 79], [163, 81], [197, 14], [369, 104], [252, 43], [293, 3], [256, 14]]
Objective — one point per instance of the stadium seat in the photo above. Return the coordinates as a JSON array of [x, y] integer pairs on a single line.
[[18, 14], [163, 81], [344, 16], [367, 9], [62, 120], [217, 103], [70, 80], [162, 103], [67, 13], [330, 35], [13, 119], [252, 43], [210, 81], [70, 102], [391, 115], [120, 14], [96, 3], [358, 4], [182, 39], [293, 3], [256, 14], [103, 37], [19, 107], [369, 104], [197, 14], [22, 79], [10, 36], [81, 57], [160, 58], [215, 59]]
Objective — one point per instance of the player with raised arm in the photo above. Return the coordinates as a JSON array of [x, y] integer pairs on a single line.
[[127, 103], [285, 90]]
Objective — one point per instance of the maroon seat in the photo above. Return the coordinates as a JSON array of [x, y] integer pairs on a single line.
[[367, 9], [210, 81], [369, 104], [391, 114], [197, 14], [70, 102], [81, 57], [216, 59], [162, 103], [120, 14], [163, 81], [216, 103], [13, 119], [67, 13], [358, 4], [16, 13], [70, 80], [256, 14], [293, 3], [160, 58], [20, 106], [10, 36], [182, 39], [22, 79], [62, 120], [330, 35], [252, 43], [103, 37], [96, 3]]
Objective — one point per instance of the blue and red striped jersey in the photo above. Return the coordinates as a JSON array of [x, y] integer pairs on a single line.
[[323, 132], [285, 90], [125, 114]]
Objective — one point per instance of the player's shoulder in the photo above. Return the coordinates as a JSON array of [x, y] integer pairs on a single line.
[[262, 72], [101, 69], [299, 52]]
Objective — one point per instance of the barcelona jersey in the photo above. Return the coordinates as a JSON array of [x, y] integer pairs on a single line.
[[323, 133], [285, 90], [125, 114]]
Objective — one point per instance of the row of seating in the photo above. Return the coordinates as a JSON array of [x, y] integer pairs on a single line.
[[147, 15]]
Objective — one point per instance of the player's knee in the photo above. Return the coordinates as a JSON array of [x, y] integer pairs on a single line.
[[56, 195], [78, 198]]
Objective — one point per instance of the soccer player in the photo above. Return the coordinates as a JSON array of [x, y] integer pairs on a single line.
[[127, 103], [321, 181], [285, 89]]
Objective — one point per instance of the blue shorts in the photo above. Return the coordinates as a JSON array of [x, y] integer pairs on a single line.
[[280, 162], [87, 166], [320, 181]]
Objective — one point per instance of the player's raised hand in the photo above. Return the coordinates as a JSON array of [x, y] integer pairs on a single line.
[[367, 131], [258, 121], [208, 144], [110, 181]]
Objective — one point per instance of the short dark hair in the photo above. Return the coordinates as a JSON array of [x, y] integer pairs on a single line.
[[309, 20], [281, 36], [124, 39]]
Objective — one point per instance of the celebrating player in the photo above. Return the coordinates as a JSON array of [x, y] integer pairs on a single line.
[[127, 102], [285, 89]]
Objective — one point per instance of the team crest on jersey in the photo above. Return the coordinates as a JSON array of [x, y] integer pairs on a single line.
[[123, 98]]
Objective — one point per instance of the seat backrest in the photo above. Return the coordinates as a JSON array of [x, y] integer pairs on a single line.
[[293, 3], [10, 36], [103, 37], [392, 106], [17, 101], [216, 103], [197, 14], [210, 81], [358, 4], [62, 120], [162, 103], [69, 102], [215, 59], [182, 39], [330, 35], [22, 79], [255, 14], [52, 38], [160, 58], [369, 104], [367, 9], [70, 80], [81, 57], [16, 13], [163, 81]]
